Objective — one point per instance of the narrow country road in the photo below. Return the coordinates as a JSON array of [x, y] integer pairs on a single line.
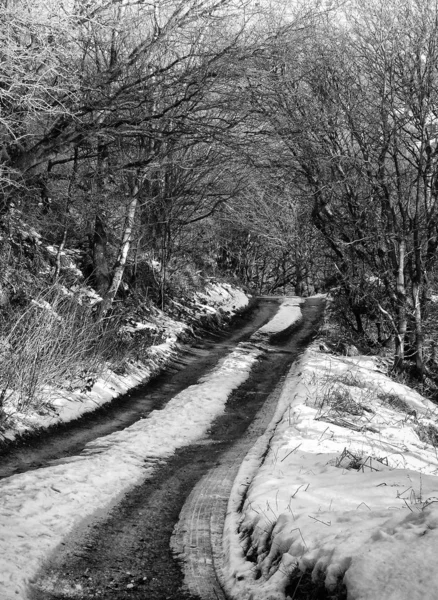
[[130, 551], [192, 363]]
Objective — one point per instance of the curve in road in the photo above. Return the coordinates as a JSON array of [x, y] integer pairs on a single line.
[[128, 553]]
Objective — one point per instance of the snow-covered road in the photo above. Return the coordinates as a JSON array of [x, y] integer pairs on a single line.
[[39, 508]]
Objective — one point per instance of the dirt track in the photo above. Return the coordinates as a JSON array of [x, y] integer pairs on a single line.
[[127, 552], [192, 362]]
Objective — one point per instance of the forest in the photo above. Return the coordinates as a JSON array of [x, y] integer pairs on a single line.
[[149, 145]]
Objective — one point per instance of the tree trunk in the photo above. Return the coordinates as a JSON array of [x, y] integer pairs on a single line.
[[417, 281], [101, 272], [419, 362], [59, 254], [125, 245], [401, 310], [66, 211]]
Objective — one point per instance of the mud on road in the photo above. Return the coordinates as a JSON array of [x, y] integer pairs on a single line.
[[126, 552]]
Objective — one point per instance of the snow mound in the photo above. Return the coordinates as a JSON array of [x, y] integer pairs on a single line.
[[221, 296]]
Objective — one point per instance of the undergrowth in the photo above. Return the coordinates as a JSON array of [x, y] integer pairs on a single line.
[[428, 434], [339, 335], [394, 401], [53, 342], [51, 339]]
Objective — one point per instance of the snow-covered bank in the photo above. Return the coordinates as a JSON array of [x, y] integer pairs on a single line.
[[39, 508], [343, 487], [64, 405]]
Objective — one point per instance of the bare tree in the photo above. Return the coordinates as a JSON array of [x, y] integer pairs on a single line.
[[355, 110], [134, 87]]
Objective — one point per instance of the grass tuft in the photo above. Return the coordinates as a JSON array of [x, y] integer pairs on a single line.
[[428, 434], [55, 343], [302, 586], [394, 401]]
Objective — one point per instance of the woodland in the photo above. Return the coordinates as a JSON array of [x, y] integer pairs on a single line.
[[149, 145]]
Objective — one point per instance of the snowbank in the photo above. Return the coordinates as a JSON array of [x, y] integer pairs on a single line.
[[65, 406], [38, 508], [340, 491], [221, 296]]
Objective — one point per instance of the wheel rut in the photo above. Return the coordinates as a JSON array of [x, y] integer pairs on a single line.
[[131, 551]]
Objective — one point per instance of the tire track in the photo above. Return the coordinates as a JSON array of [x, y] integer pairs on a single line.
[[197, 538], [128, 554]]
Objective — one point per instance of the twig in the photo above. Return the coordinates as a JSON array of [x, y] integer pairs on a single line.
[[319, 521], [289, 453]]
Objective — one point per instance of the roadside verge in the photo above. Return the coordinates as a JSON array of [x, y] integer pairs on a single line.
[[340, 493], [218, 300]]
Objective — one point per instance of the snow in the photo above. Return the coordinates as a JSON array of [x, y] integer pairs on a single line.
[[288, 315], [68, 261], [40, 507], [86, 294], [221, 296], [64, 405], [133, 327], [44, 305], [342, 485]]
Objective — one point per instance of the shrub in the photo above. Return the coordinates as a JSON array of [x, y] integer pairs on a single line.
[[53, 342]]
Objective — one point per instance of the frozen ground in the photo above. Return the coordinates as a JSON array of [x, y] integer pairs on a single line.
[[63, 405], [39, 508], [342, 490]]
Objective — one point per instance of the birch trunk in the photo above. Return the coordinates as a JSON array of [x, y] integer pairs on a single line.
[[401, 311], [419, 361], [125, 245]]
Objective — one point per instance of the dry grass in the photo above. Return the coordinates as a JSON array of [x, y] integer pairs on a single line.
[[336, 396], [53, 343], [428, 434], [341, 401], [302, 586], [349, 378], [394, 401]]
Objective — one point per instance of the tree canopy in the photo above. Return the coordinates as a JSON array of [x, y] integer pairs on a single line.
[[290, 145]]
